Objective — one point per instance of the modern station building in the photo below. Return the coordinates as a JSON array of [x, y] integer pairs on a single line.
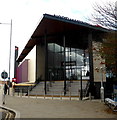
[[62, 49]]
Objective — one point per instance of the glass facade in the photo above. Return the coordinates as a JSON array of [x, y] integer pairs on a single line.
[[75, 60]]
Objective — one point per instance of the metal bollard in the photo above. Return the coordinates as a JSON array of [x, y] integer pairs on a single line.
[[69, 95], [28, 93], [61, 95], [36, 95], [52, 95], [21, 93], [44, 95], [102, 94], [79, 94], [18, 92], [89, 96], [13, 91]]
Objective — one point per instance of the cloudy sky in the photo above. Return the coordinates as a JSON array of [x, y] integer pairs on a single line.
[[26, 14]]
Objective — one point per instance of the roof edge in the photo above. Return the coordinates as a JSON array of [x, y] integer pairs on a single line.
[[74, 21]]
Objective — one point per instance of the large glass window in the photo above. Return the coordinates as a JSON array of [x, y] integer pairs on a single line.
[[75, 61]]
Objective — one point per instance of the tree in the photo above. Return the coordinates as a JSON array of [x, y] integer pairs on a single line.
[[106, 16], [108, 51]]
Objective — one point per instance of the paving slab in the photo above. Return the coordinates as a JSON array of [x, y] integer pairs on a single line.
[[56, 108]]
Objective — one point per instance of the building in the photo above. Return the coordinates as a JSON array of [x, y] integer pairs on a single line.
[[61, 49]]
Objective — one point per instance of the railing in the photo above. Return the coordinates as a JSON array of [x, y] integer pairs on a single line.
[[52, 95], [59, 94]]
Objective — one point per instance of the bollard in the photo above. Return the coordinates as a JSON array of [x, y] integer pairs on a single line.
[[21, 93], [79, 94], [102, 94], [28, 93], [69, 95], [36, 95], [52, 95], [89, 96], [44, 95], [18, 92], [61, 95], [12, 92]]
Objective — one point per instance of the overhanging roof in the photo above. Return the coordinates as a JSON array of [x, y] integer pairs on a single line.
[[52, 25]]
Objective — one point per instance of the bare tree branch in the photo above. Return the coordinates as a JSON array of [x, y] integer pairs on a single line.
[[105, 15]]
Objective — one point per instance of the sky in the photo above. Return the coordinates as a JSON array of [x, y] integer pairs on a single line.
[[26, 15]]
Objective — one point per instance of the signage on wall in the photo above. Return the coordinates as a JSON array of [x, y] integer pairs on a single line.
[[68, 63]]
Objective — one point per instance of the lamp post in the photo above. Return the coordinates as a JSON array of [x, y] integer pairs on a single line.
[[9, 51]]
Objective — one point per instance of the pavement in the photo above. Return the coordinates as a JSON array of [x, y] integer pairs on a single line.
[[57, 108]]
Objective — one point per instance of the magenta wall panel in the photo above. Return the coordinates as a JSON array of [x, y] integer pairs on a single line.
[[22, 72], [18, 76]]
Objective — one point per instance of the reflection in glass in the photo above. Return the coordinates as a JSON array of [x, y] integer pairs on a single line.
[[74, 61]]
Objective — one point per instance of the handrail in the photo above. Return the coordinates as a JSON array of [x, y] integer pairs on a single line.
[[52, 91], [21, 91]]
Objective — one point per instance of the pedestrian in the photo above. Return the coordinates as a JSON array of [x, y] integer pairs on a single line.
[[5, 92]]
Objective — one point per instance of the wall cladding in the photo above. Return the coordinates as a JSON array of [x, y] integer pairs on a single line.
[[22, 72]]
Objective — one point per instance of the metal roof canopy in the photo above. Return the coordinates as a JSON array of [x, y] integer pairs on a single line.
[[52, 25]]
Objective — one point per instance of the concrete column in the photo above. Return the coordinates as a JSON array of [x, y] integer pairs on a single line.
[[91, 74]]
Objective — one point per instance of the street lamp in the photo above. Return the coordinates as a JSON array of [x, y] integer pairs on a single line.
[[9, 50]]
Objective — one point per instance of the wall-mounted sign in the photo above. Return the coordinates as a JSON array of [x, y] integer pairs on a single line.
[[4, 75], [68, 63]]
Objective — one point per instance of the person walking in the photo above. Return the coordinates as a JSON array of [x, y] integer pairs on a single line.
[[5, 92]]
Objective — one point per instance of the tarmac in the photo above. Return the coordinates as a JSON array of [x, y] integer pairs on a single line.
[[30, 107]]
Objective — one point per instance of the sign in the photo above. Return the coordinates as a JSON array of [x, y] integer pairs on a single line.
[[69, 63], [4, 75], [13, 79]]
